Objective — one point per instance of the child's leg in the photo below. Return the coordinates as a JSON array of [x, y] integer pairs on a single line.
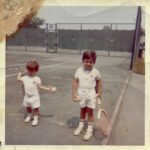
[[81, 122], [29, 112], [83, 113], [89, 131], [36, 111], [90, 114], [35, 116]]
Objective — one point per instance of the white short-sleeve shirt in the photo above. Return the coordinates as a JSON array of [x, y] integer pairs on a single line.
[[87, 79], [30, 87]]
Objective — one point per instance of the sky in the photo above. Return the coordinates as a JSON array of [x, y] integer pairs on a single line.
[[83, 11], [89, 14]]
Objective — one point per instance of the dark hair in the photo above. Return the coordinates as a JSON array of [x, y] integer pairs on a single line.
[[89, 55], [32, 65]]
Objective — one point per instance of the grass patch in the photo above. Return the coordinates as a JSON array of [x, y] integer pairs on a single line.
[[139, 66]]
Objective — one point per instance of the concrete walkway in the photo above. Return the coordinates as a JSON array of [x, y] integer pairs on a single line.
[[129, 127]]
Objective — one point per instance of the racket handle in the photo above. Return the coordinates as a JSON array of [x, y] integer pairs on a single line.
[[98, 101], [99, 114]]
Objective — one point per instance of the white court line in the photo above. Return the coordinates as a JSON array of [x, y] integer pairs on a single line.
[[116, 110], [49, 66], [59, 123], [15, 65], [11, 75], [48, 59]]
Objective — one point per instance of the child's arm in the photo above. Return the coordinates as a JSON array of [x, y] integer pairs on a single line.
[[19, 76], [98, 88], [47, 88], [74, 89]]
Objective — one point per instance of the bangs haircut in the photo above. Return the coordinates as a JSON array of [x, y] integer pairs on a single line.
[[89, 55], [32, 65]]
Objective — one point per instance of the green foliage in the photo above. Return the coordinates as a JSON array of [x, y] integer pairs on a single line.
[[32, 22], [139, 66], [36, 22]]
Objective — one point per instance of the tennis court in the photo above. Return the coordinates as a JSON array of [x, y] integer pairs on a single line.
[[59, 114]]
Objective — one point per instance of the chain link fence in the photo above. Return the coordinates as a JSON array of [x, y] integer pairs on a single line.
[[105, 38]]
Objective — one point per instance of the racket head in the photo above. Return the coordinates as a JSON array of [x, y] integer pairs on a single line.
[[102, 122]]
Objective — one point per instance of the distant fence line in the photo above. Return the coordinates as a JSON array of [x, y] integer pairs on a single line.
[[98, 36]]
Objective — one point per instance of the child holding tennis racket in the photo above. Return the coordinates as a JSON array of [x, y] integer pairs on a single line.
[[87, 89], [31, 83]]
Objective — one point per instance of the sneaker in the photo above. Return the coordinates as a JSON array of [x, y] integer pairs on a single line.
[[78, 131], [35, 121], [27, 119], [87, 136]]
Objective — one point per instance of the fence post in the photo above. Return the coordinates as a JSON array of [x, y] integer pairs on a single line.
[[80, 37], [110, 42], [46, 37], [26, 38], [56, 38]]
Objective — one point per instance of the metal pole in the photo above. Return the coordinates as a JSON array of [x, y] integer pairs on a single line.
[[109, 41], [135, 38], [46, 37], [80, 37], [26, 38], [56, 38]]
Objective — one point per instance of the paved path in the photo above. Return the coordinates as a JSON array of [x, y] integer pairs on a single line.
[[129, 126]]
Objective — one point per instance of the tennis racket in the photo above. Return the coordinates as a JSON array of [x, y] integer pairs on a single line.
[[102, 122]]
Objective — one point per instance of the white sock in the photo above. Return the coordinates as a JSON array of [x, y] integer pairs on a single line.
[[90, 128], [81, 124], [36, 117], [29, 114]]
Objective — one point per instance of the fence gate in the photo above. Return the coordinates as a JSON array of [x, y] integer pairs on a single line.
[[51, 37]]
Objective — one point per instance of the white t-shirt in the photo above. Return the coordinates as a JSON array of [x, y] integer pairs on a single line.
[[87, 79], [30, 87]]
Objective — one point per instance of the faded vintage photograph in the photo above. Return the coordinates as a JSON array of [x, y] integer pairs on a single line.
[[75, 75]]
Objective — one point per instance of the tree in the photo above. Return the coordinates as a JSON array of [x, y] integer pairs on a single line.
[[106, 27], [36, 22], [32, 21]]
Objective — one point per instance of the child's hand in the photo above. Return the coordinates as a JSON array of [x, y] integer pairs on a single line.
[[76, 98], [22, 72], [52, 89], [20, 75]]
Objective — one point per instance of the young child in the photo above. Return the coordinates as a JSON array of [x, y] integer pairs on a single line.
[[31, 83], [87, 89]]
